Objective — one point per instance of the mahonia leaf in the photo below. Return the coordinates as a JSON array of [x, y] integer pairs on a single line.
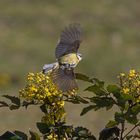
[[83, 77], [111, 123], [98, 82], [114, 89], [44, 108], [43, 127], [132, 113], [87, 109], [76, 100], [96, 89], [119, 117], [127, 97], [131, 118], [102, 102], [13, 99], [13, 107], [81, 133], [136, 109], [21, 134], [27, 103], [34, 136], [3, 104], [10, 136], [80, 99]]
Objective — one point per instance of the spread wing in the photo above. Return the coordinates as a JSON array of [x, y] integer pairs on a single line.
[[70, 40]]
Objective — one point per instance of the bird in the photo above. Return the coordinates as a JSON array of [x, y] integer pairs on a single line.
[[67, 58]]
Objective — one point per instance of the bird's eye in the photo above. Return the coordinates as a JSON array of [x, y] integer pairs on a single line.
[[80, 54]]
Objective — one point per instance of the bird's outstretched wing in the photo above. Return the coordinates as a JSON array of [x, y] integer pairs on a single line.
[[70, 40], [64, 79]]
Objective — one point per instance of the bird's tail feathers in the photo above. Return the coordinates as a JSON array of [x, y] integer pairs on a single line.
[[64, 79]]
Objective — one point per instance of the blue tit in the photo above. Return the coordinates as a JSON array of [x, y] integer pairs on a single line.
[[67, 56]]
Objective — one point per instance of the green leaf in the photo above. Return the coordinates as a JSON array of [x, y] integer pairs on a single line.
[[98, 82], [21, 134], [131, 115], [13, 99], [102, 102], [96, 89], [44, 108], [34, 136], [72, 100], [114, 89], [136, 109], [27, 103], [13, 107], [87, 109], [43, 127], [8, 135], [81, 133], [111, 123], [127, 97], [119, 117], [15, 138], [83, 77], [76, 100], [3, 104], [80, 99]]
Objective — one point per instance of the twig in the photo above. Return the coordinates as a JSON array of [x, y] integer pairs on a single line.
[[122, 130], [131, 130]]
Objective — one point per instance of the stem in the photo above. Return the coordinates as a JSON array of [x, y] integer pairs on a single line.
[[122, 130], [130, 130]]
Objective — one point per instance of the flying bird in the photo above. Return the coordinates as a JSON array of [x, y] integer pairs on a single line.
[[67, 57]]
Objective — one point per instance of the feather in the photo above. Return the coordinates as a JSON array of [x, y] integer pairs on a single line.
[[70, 40], [49, 67], [64, 79]]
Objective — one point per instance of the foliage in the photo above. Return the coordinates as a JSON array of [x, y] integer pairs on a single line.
[[40, 90]]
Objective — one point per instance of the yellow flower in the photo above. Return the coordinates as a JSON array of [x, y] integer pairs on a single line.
[[132, 73], [126, 90], [122, 74], [60, 103], [139, 83], [130, 83], [138, 100], [33, 88], [52, 137]]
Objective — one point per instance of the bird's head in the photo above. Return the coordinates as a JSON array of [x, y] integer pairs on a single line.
[[79, 56]]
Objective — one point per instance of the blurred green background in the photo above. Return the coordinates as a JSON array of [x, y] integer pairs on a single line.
[[29, 31]]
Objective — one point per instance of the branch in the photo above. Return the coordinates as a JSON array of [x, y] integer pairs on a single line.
[[122, 130], [131, 130]]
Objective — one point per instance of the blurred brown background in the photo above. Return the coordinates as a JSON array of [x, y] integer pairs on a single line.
[[29, 31]]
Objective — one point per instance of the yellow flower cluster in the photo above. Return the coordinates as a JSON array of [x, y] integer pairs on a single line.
[[40, 88], [54, 136], [55, 114], [130, 83]]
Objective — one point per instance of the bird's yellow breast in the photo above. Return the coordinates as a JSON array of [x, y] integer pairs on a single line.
[[69, 59]]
